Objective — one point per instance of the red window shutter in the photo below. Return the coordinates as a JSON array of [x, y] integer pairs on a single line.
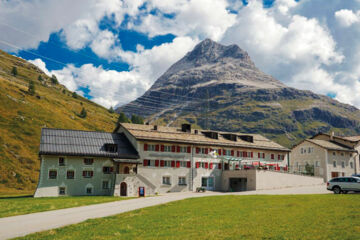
[[156, 163], [91, 173], [177, 164], [237, 166], [188, 164], [259, 155], [232, 152], [244, 154], [219, 165], [272, 156], [172, 163], [162, 163], [189, 149], [206, 150], [162, 148], [238, 153], [177, 148], [223, 152], [263, 155], [210, 150], [219, 151], [173, 148], [197, 164], [252, 154], [211, 165], [157, 147], [83, 173], [278, 157], [145, 162], [111, 169], [145, 147], [197, 150], [206, 165]]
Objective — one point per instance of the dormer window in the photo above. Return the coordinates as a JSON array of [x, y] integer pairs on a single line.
[[109, 147], [229, 136], [209, 134]]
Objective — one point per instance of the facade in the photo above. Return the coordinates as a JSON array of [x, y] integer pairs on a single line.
[[154, 158], [326, 155]]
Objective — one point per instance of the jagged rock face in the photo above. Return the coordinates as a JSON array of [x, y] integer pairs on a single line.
[[219, 87]]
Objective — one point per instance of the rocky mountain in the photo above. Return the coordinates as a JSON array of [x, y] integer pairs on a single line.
[[22, 115], [219, 87]]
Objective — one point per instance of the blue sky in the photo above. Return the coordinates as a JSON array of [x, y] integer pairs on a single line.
[[112, 51]]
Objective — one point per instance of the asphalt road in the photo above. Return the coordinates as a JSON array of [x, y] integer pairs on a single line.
[[22, 225]]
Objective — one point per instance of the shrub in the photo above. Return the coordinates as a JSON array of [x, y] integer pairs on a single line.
[[74, 95], [83, 113], [14, 71], [31, 89], [54, 79]]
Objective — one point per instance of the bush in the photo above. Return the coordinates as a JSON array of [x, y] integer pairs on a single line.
[[137, 119], [111, 110], [123, 118], [83, 113], [31, 89], [54, 79], [14, 71], [40, 78], [74, 95]]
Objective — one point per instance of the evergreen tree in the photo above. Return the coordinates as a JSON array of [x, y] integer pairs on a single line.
[[111, 110], [83, 113], [31, 89], [137, 119], [40, 78], [63, 91], [14, 71], [123, 118], [54, 79], [74, 95]]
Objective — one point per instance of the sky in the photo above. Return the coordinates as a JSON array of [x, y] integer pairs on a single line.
[[112, 51]]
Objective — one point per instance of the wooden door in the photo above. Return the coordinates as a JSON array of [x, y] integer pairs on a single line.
[[123, 189]]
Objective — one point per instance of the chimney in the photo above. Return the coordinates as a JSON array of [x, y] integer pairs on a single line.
[[185, 127], [155, 127], [332, 136]]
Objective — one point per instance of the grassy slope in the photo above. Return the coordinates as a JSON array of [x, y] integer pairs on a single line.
[[25, 205], [228, 217], [22, 116]]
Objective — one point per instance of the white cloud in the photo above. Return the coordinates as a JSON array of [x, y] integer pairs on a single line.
[[40, 64], [347, 17]]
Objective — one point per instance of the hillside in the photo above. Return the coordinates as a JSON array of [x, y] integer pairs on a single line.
[[219, 87], [23, 115]]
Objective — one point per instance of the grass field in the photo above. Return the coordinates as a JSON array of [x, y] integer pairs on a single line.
[[228, 217], [11, 206]]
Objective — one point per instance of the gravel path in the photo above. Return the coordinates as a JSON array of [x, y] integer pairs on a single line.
[[22, 225]]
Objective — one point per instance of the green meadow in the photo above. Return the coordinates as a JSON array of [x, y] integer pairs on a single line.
[[228, 217]]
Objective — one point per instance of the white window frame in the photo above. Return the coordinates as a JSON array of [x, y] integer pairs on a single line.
[[108, 184], [70, 170], [92, 190], [182, 181], [166, 180], [351, 165], [183, 149], [343, 164], [317, 164], [183, 164], [151, 147], [64, 161], [57, 173], [60, 191], [334, 164], [167, 148]]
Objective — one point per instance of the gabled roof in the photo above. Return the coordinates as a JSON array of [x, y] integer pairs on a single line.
[[330, 145], [85, 143], [172, 134]]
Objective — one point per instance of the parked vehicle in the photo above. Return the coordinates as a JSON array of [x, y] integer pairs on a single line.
[[356, 175], [344, 184]]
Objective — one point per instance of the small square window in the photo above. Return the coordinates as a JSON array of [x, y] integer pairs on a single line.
[[88, 161], [334, 163], [61, 161], [105, 184], [107, 170], [70, 174], [343, 164], [166, 180], [88, 174], [334, 153], [182, 181], [89, 190], [52, 174], [61, 190]]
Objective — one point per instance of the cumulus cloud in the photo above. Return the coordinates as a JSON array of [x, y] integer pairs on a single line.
[[347, 17]]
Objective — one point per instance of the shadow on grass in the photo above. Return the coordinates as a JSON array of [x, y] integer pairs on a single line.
[[13, 197]]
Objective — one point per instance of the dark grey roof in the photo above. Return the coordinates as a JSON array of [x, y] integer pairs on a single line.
[[84, 143]]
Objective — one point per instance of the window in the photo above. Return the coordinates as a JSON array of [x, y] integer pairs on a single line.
[[334, 163], [182, 181], [167, 148], [343, 164], [334, 153], [105, 184], [301, 150], [61, 190], [70, 174], [204, 182], [167, 163], [342, 154], [88, 161], [89, 190], [272, 156], [152, 163], [183, 149], [109, 147], [182, 163], [107, 170], [151, 147], [351, 165], [61, 161], [88, 174], [166, 180], [309, 150], [317, 164], [52, 174]]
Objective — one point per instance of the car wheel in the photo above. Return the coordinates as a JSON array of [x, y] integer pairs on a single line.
[[337, 190]]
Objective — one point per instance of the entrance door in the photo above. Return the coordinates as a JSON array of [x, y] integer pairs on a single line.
[[208, 183], [123, 189]]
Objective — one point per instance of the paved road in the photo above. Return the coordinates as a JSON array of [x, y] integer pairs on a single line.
[[22, 225]]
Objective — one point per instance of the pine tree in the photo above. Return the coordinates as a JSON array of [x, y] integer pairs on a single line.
[[14, 71], [122, 118], [54, 79], [83, 113], [40, 78], [137, 119], [74, 95], [31, 89], [111, 110]]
